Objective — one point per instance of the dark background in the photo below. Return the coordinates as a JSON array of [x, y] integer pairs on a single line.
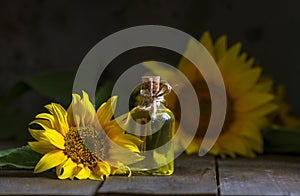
[[37, 35]]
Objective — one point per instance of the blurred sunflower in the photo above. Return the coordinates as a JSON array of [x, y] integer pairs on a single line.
[[249, 99], [282, 116], [71, 141]]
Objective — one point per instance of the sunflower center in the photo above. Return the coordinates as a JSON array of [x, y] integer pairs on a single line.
[[204, 99], [83, 146]]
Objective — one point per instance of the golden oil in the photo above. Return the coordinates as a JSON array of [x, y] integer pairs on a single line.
[[154, 124]]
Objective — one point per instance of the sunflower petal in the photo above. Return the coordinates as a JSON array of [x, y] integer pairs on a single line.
[[257, 147], [106, 110], [102, 170], [263, 86], [238, 145], [246, 81], [66, 170], [128, 145], [250, 62], [42, 147], [215, 149], [230, 63], [194, 146], [250, 101], [220, 47], [50, 160], [70, 116], [206, 40], [187, 67], [127, 140], [113, 127], [258, 112], [60, 117], [42, 122], [55, 138], [89, 110], [125, 157], [248, 130], [121, 170], [243, 57], [235, 49], [77, 110], [38, 134], [48, 117], [84, 173]]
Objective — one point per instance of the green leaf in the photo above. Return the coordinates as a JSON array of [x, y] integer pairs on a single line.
[[21, 158], [55, 85], [282, 140], [14, 92], [4, 153]]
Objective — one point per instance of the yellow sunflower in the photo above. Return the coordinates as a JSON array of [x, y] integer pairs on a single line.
[[71, 141], [249, 99], [282, 116]]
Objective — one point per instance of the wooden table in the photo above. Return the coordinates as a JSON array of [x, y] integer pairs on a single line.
[[264, 175]]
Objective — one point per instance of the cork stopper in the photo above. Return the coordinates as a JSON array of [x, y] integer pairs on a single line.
[[151, 83]]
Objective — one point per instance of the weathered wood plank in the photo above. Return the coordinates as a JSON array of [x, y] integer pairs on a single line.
[[193, 176], [46, 186], [8, 172], [24, 182], [264, 175]]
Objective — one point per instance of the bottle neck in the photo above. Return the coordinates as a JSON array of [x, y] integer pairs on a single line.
[[148, 100], [153, 94]]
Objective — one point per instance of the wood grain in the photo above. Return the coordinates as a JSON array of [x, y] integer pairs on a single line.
[[193, 176], [46, 186], [264, 175]]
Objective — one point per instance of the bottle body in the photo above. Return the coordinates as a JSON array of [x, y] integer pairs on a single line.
[[155, 126]]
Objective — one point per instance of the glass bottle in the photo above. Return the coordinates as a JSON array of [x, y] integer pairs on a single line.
[[154, 124]]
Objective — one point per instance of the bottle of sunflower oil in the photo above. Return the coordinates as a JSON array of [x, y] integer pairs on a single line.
[[154, 124]]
